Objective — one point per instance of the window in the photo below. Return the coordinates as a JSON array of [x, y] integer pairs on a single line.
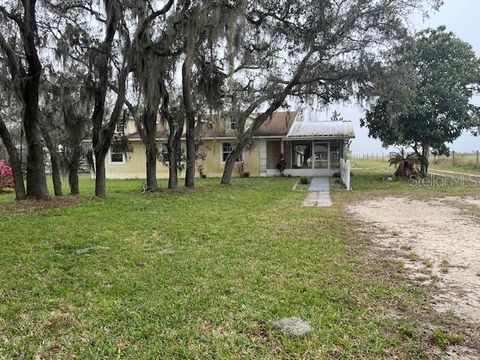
[[334, 155], [165, 153], [120, 127], [116, 157], [227, 148], [233, 124]]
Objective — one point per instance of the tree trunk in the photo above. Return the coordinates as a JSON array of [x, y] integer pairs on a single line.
[[174, 138], [56, 176], [148, 131], [73, 166], [151, 154], [189, 111], [102, 134], [230, 163], [426, 156], [54, 159], [174, 148], [36, 179], [191, 155], [15, 162], [100, 190], [172, 169], [73, 181]]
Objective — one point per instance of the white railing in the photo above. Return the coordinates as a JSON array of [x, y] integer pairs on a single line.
[[345, 172]]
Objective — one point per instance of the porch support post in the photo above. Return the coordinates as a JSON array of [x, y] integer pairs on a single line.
[[328, 149], [312, 155], [263, 158], [282, 147]]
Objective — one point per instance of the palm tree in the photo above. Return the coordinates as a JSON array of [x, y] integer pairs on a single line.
[[407, 164]]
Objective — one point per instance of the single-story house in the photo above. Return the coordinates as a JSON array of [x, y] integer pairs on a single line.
[[311, 148]]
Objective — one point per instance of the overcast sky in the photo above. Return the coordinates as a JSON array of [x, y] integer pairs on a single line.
[[460, 17]]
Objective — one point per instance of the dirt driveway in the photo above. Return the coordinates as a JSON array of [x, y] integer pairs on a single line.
[[440, 242]]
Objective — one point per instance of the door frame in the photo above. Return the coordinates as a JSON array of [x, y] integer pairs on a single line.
[[315, 142]]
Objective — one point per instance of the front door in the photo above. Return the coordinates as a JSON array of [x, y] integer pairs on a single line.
[[321, 159]]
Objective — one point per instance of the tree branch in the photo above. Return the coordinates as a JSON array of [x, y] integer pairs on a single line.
[[12, 16]]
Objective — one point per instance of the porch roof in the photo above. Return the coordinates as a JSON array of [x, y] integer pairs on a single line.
[[302, 129]]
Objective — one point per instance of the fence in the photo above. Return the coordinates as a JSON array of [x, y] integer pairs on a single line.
[[345, 172], [370, 156], [455, 159]]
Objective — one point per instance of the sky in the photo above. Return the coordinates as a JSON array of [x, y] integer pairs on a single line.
[[460, 17]]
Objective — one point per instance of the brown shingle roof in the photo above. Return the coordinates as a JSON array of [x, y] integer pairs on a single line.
[[216, 127], [161, 133], [278, 124]]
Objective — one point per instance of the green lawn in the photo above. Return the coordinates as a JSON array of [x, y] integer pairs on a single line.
[[201, 274]]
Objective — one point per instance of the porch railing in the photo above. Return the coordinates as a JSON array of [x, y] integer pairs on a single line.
[[345, 173]]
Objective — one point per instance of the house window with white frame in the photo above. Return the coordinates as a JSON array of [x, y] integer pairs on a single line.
[[227, 148], [116, 157]]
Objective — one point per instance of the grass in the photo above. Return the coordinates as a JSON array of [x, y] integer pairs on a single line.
[[466, 163], [444, 338], [200, 274], [462, 163]]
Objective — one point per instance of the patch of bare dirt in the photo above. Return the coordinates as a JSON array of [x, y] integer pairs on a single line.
[[26, 206], [439, 240]]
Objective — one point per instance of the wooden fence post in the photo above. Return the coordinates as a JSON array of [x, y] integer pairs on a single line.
[[478, 163]]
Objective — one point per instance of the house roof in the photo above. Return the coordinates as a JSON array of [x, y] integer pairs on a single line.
[[215, 127], [161, 133], [320, 129], [278, 124], [289, 125]]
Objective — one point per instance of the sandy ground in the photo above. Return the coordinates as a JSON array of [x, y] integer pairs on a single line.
[[440, 238]]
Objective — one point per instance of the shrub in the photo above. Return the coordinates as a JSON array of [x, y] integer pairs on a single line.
[[240, 167], [201, 171], [6, 176], [304, 180], [407, 164], [282, 164], [246, 174]]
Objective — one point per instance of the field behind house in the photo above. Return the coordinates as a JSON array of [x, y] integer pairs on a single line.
[[204, 274], [455, 162]]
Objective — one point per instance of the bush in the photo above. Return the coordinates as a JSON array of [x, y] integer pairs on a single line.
[[304, 180], [282, 164], [6, 176], [246, 174], [407, 164]]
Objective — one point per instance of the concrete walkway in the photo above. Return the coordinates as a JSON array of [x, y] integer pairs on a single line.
[[319, 193]]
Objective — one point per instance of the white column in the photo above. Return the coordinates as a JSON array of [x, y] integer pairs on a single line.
[[263, 158]]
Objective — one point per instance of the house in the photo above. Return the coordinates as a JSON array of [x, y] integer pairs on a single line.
[[311, 148]]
